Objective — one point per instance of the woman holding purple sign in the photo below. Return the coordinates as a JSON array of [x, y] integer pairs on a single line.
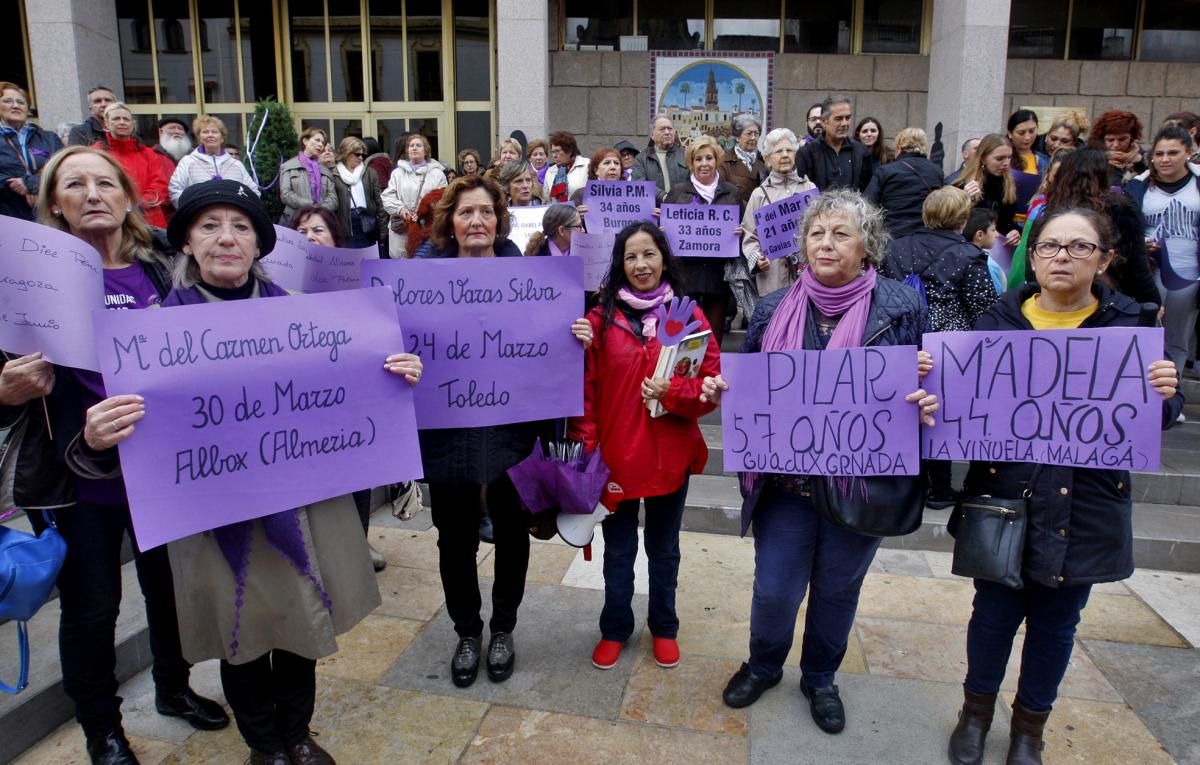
[[1079, 527], [641, 309], [838, 302], [705, 277], [779, 149], [266, 597], [462, 465], [87, 194]]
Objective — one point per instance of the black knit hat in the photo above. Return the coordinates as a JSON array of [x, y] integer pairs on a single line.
[[174, 120], [201, 196]]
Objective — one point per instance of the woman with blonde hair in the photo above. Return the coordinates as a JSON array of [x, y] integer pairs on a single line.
[[900, 187], [209, 160], [987, 180], [359, 209], [416, 174]]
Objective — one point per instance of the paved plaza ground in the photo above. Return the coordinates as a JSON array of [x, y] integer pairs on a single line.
[[1131, 696]]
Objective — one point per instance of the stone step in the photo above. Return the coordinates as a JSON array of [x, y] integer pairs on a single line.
[[1166, 536], [1177, 483]]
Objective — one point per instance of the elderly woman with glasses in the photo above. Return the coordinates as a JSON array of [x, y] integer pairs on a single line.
[[24, 151], [743, 165], [1079, 530]]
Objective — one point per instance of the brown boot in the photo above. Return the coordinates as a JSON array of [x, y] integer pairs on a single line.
[[1025, 736], [974, 721]]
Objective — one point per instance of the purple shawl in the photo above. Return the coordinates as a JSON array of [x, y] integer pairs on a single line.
[[314, 176]]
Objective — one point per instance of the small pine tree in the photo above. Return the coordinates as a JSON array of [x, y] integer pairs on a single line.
[[276, 144]]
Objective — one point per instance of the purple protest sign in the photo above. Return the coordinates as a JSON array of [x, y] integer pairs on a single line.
[[494, 333], [1059, 397], [1003, 254], [50, 282], [837, 412], [613, 205], [778, 223], [596, 251], [1027, 185], [298, 265], [701, 231], [257, 406]]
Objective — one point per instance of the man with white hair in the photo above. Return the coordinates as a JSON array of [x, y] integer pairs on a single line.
[[173, 141], [662, 161]]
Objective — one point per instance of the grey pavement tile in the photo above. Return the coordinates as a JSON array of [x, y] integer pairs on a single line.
[[888, 721], [555, 635], [1161, 685], [902, 562], [1174, 596]]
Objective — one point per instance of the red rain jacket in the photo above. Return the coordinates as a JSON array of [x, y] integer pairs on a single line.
[[148, 170]]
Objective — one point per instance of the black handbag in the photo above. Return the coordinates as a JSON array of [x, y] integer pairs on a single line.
[[989, 536], [876, 506]]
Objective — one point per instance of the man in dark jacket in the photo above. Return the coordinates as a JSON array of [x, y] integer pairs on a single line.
[[91, 130], [837, 161], [173, 140], [662, 161]]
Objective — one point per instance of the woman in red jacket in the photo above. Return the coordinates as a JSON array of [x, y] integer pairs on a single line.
[[141, 163], [650, 458]]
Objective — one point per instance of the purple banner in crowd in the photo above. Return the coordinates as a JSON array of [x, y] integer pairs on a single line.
[[494, 333], [778, 224], [1060, 397], [837, 412], [298, 265], [1027, 185], [1003, 254], [596, 251], [257, 406], [613, 205], [50, 283], [701, 231]]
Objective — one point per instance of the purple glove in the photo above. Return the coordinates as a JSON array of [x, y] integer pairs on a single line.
[[675, 320]]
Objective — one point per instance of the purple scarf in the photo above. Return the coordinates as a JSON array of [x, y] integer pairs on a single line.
[[850, 301], [647, 302], [314, 176]]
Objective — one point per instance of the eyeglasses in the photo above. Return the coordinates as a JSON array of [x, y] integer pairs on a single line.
[[360, 155], [1078, 250], [574, 225], [14, 102]]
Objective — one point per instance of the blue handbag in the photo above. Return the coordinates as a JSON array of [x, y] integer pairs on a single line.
[[29, 568]]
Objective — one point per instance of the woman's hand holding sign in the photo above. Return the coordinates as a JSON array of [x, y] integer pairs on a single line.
[[1164, 378], [408, 365], [112, 421]]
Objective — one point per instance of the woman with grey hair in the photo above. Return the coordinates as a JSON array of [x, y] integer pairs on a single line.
[[900, 187], [517, 179], [779, 147], [838, 302], [742, 164]]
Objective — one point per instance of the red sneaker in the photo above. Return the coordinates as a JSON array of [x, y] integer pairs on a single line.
[[666, 652], [606, 654]]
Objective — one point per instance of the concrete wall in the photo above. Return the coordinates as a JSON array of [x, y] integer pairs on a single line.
[[603, 97], [1149, 90]]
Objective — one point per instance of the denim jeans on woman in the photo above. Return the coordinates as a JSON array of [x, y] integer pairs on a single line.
[[664, 515], [796, 549], [1050, 615]]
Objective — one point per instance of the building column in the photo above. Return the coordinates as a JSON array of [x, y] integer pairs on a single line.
[[967, 63], [522, 67], [73, 45]]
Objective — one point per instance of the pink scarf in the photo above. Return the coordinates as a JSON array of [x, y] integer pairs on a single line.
[[647, 301], [554, 250], [709, 191], [314, 176], [850, 301]]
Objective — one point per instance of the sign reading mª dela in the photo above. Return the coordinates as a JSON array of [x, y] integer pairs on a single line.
[[1075, 397], [836, 413], [494, 334], [257, 406], [701, 231]]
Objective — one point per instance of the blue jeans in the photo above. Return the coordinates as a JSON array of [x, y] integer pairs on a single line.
[[796, 549], [664, 515], [1050, 615]]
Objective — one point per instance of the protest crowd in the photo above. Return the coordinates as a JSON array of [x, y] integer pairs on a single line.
[[872, 247]]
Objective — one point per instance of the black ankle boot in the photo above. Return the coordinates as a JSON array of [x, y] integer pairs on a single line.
[[1025, 736], [974, 721], [112, 749]]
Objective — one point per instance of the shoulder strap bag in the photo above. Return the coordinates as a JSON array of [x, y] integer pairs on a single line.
[[989, 536], [29, 567]]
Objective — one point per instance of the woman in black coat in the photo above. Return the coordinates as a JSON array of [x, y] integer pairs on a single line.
[[1079, 528], [900, 186], [704, 278]]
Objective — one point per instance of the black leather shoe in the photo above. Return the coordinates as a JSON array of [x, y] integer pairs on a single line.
[[200, 713], [502, 657], [268, 758], [308, 752], [465, 664], [113, 749], [744, 688], [827, 710]]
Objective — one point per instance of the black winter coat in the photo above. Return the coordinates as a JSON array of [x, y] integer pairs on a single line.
[[823, 167], [900, 188], [954, 272], [896, 318], [705, 276], [1080, 527], [479, 455]]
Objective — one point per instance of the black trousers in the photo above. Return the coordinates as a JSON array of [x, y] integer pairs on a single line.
[[362, 503], [456, 508], [89, 587], [272, 699]]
